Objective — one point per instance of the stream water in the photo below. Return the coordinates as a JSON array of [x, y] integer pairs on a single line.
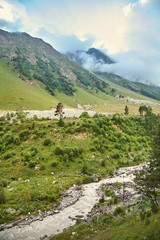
[[54, 224]]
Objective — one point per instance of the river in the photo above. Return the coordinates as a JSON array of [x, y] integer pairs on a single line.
[[56, 223]]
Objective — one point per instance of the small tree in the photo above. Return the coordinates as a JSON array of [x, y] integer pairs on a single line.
[[126, 110], [113, 91], [148, 179], [59, 110]]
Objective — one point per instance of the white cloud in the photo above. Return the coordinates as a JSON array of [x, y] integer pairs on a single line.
[[127, 10], [7, 11], [117, 26], [142, 2]]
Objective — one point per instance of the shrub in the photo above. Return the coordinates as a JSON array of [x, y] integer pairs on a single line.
[[84, 115], [42, 166], [107, 218], [85, 169], [2, 196], [24, 134], [9, 155], [47, 142], [69, 130], [8, 139], [54, 164], [103, 163], [60, 123], [109, 193], [87, 179], [16, 140], [32, 164], [26, 157], [26, 196], [35, 117], [119, 211], [58, 151], [3, 183], [102, 200]]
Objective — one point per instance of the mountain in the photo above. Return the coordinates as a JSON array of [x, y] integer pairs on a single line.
[[33, 75], [148, 91], [100, 56], [93, 54], [34, 59], [93, 59]]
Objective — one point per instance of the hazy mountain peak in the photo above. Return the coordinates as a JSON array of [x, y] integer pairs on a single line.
[[99, 55]]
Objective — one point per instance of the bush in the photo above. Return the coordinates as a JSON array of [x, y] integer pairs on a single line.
[[26, 196], [24, 134], [84, 115], [58, 151], [87, 180], [107, 218], [60, 123], [102, 200], [54, 164], [8, 139], [16, 140], [42, 166], [9, 155], [47, 142], [2, 196], [119, 211], [103, 163], [32, 164], [3, 183], [85, 169], [26, 157]]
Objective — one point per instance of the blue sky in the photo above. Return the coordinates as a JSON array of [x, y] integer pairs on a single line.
[[128, 30]]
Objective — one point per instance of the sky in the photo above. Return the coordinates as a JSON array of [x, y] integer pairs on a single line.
[[127, 30]]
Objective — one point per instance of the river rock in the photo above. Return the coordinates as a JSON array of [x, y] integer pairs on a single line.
[[11, 211], [95, 178]]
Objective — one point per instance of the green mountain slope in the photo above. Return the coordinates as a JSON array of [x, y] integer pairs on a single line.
[[16, 94], [33, 75], [137, 87], [33, 59]]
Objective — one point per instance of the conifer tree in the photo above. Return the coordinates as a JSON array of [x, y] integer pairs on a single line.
[[148, 179], [126, 110], [59, 110]]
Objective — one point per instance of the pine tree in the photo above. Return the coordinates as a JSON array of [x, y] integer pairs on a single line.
[[126, 110], [59, 110], [148, 179]]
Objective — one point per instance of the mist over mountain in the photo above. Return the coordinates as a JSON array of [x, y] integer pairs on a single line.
[[34, 59], [126, 66], [91, 60]]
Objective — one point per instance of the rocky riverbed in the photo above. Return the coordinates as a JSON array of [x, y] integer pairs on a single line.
[[78, 202], [68, 113]]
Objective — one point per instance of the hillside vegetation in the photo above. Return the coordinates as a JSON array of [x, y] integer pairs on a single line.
[[36, 154], [16, 94], [33, 75], [131, 226]]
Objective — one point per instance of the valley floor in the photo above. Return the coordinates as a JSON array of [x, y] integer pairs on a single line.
[[67, 216]]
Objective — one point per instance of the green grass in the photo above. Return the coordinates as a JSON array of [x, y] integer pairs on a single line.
[[117, 141], [129, 227], [16, 94]]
